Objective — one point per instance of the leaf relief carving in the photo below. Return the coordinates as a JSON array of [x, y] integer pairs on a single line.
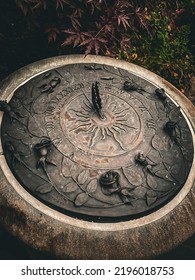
[[20, 135], [18, 108], [34, 126], [81, 199], [45, 188], [151, 197], [69, 168], [92, 186], [40, 104], [164, 174], [157, 143], [183, 124], [178, 172], [175, 114], [151, 182], [160, 108], [127, 196], [70, 187], [83, 176], [132, 176], [154, 156]]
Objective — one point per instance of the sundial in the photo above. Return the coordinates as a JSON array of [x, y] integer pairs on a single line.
[[96, 140], [94, 148]]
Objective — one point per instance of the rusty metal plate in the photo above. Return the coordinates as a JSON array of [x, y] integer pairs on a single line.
[[96, 142]]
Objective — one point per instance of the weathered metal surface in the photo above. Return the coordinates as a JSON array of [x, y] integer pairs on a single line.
[[96, 141]]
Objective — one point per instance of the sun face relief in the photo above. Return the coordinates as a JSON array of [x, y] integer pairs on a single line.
[[98, 143], [102, 135]]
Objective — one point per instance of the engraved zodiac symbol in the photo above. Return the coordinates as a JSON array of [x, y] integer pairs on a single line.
[[151, 124]]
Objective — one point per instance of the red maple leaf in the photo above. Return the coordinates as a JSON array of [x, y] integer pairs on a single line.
[[95, 43], [52, 34], [124, 20], [75, 37]]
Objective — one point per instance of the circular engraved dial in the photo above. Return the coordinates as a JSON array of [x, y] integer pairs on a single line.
[[96, 142]]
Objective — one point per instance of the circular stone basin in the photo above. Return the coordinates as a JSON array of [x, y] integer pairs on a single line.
[[95, 150]]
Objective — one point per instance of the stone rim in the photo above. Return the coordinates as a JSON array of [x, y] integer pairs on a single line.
[[14, 197]]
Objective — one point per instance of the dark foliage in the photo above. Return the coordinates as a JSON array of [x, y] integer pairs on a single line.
[[98, 26], [92, 26], [155, 34]]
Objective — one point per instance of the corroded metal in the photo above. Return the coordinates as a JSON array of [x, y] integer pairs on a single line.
[[96, 141]]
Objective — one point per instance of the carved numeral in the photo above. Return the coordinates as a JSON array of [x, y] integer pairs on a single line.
[[57, 141], [50, 110], [50, 126], [151, 124], [143, 108]]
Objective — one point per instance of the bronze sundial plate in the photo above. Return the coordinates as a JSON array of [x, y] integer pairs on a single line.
[[128, 163]]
